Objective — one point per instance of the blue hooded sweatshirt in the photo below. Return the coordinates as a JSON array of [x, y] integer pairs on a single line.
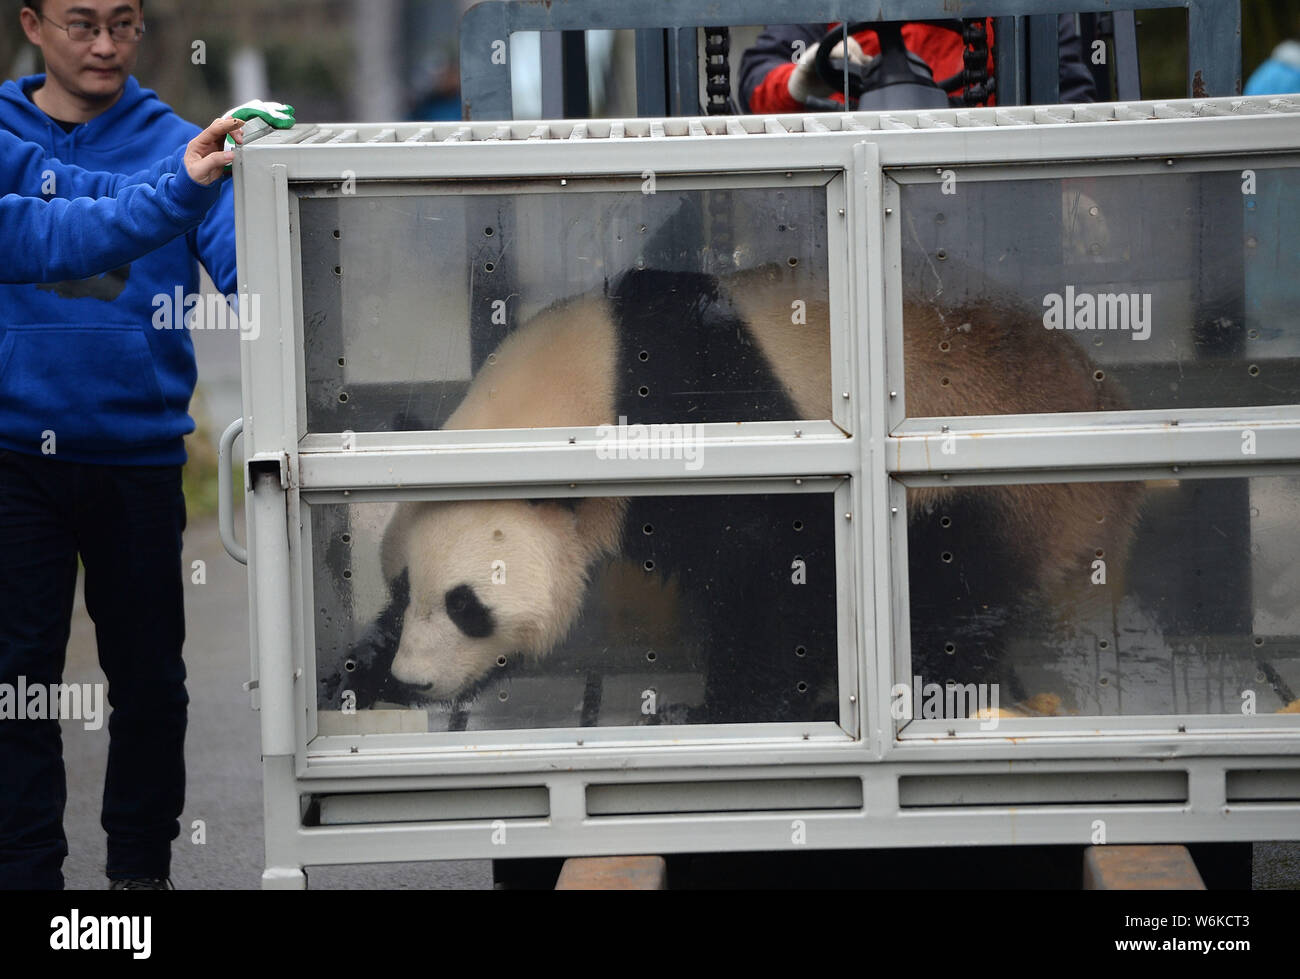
[[84, 358]]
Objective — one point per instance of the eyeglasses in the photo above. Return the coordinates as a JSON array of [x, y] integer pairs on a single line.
[[121, 31]]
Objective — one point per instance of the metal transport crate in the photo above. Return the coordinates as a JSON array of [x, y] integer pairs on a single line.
[[831, 481]]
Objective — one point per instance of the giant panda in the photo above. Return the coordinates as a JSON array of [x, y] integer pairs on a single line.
[[631, 350]]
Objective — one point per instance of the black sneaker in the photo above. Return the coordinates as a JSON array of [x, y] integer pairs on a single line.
[[141, 884]]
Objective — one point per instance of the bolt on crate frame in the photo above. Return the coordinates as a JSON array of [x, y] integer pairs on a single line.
[[867, 780]]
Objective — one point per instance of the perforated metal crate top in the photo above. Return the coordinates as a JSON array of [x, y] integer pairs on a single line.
[[846, 122]]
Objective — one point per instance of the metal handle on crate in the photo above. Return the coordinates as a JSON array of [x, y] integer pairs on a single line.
[[225, 492]]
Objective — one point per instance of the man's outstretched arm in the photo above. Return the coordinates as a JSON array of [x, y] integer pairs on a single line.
[[47, 241]]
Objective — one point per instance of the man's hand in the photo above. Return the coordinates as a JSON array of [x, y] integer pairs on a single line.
[[206, 157], [804, 81]]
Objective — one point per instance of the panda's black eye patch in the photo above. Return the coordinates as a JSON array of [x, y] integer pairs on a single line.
[[469, 614]]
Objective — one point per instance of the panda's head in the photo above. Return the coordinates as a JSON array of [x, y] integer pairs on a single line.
[[490, 580]]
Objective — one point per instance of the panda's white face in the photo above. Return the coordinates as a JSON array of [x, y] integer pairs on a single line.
[[489, 580]]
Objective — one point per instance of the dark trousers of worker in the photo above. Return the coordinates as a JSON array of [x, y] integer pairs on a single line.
[[126, 523]]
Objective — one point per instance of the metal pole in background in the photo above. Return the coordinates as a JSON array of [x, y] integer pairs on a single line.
[[377, 91]]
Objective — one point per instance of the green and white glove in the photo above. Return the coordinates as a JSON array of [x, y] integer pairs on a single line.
[[277, 115]]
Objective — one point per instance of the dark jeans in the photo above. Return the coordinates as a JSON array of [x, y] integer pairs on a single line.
[[126, 523]]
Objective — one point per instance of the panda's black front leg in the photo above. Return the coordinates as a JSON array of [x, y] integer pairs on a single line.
[[364, 676], [967, 595]]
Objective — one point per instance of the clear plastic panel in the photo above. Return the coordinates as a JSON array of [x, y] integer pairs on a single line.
[[1170, 290], [1118, 598], [578, 612], [684, 296]]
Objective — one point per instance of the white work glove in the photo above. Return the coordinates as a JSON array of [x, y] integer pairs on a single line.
[[804, 81]]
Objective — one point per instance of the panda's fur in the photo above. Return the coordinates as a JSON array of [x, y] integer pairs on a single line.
[[631, 352]]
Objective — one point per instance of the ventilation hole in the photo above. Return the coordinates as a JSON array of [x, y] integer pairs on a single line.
[[489, 232], [801, 687], [350, 665], [1101, 518], [780, 227], [1252, 334], [648, 529], [945, 346], [503, 696], [1104, 644], [338, 270], [649, 565], [1103, 682], [337, 233], [941, 254], [343, 397], [1259, 641], [346, 538], [1254, 370], [644, 355], [792, 262], [340, 361], [1099, 552], [643, 390], [950, 648], [797, 525], [1099, 375], [944, 381], [1260, 678], [946, 557], [945, 521], [800, 651], [347, 574], [489, 267], [650, 656], [501, 660]]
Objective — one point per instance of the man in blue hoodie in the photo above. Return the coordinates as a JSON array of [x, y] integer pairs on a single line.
[[93, 412]]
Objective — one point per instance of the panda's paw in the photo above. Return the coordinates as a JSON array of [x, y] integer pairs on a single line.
[[987, 713], [1291, 708], [1043, 705], [1039, 705]]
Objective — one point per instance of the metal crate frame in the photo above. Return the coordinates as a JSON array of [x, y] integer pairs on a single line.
[[762, 787]]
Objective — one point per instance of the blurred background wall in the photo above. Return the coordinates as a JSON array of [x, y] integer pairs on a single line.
[[380, 60]]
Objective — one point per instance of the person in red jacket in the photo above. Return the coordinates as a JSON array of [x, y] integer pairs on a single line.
[[776, 74]]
